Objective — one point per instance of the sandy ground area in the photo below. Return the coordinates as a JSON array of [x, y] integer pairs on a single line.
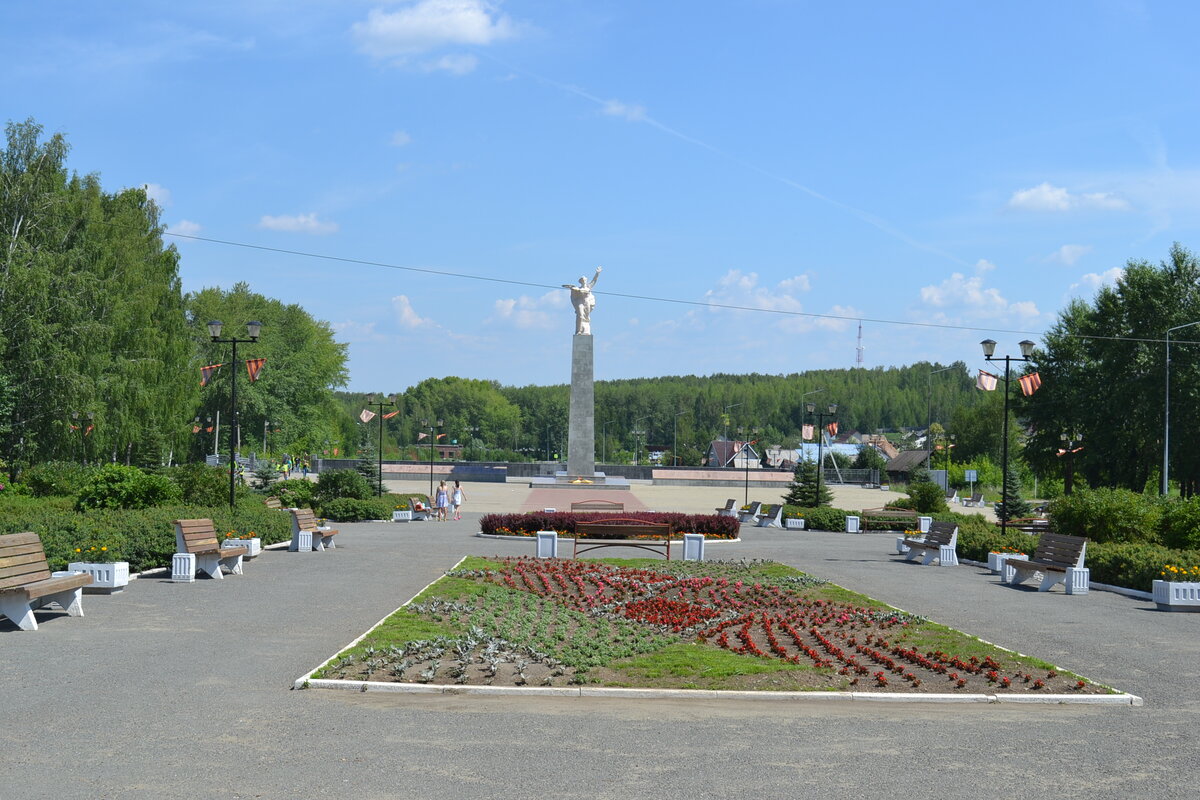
[[518, 496]]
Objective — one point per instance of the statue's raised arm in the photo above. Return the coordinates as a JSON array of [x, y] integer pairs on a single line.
[[584, 301]]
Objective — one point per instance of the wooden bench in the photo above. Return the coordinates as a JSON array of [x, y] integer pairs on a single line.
[[26, 582], [307, 535], [273, 503], [888, 519], [1059, 558], [751, 512], [419, 508], [727, 510], [622, 533], [199, 537], [940, 543], [598, 505], [770, 517], [1035, 525]]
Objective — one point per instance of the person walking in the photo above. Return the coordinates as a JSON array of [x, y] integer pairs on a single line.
[[456, 500], [441, 501]]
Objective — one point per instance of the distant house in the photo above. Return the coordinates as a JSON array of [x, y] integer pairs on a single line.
[[727, 453], [786, 458], [901, 467], [881, 443]]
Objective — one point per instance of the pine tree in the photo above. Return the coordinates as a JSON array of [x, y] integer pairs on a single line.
[[802, 491], [368, 464], [1015, 508]]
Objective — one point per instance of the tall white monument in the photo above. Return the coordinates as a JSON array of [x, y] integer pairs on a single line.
[[581, 431]]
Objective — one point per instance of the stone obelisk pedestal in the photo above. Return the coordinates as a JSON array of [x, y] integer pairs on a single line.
[[581, 433]]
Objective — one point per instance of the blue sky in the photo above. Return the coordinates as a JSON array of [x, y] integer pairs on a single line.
[[965, 164]]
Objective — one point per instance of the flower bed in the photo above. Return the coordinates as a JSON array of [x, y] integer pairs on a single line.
[[711, 525], [719, 625]]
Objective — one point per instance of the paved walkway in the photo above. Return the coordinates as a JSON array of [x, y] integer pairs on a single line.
[[182, 690]]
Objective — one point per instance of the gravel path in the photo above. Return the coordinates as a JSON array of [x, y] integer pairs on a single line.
[[182, 690]]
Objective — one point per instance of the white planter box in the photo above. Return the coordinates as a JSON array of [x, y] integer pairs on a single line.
[[254, 546], [852, 524], [402, 516], [108, 578], [1177, 595], [996, 560], [794, 524]]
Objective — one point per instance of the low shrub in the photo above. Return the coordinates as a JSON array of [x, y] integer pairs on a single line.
[[340, 483], [56, 478], [529, 524], [143, 537], [294, 493], [351, 509], [820, 519], [118, 486], [1108, 515], [202, 485], [1181, 523], [927, 498]]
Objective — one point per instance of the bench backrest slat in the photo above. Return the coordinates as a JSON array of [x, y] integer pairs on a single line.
[[729, 504], [274, 503], [622, 529], [196, 535], [941, 533], [22, 560], [1058, 548], [304, 519]]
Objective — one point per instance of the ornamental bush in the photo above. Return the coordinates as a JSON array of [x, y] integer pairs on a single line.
[[1108, 515], [927, 498], [342, 483], [202, 485], [350, 509], [1181, 523], [295, 493], [118, 486], [56, 478]]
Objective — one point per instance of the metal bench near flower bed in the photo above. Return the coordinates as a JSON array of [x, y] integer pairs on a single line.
[[650, 536]]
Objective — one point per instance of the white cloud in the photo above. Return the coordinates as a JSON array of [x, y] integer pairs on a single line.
[[1093, 281], [1047, 197], [455, 64], [353, 331], [800, 283], [533, 312], [406, 315], [161, 195], [185, 227], [615, 108], [971, 296], [1068, 254], [400, 139], [983, 266], [428, 24], [737, 288], [298, 223]]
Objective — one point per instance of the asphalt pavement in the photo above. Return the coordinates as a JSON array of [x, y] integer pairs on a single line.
[[184, 690]]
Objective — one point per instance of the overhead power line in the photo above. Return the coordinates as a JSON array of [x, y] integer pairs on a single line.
[[650, 298]]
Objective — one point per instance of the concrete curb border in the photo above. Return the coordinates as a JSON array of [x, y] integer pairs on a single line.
[[1121, 699]]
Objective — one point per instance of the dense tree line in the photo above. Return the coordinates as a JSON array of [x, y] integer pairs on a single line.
[[101, 350]]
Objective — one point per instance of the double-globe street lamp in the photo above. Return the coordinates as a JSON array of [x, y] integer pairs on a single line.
[[821, 416], [989, 349], [252, 331], [637, 432], [379, 403]]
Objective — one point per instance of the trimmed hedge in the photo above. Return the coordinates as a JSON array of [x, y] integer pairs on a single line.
[[710, 525], [349, 509], [1110, 515], [143, 537], [819, 519]]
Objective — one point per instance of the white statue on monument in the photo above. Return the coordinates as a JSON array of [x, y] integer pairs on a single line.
[[584, 301]]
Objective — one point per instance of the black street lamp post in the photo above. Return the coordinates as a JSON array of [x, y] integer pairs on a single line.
[[821, 417], [252, 331], [989, 348], [430, 426], [387, 400], [636, 433]]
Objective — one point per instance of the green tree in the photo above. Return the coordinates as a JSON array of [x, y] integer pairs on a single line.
[[1014, 507], [802, 491]]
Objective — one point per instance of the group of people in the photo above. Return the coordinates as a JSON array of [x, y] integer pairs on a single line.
[[448, 501]]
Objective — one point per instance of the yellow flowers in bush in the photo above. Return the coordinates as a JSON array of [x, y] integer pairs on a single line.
[[1173, 573]]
